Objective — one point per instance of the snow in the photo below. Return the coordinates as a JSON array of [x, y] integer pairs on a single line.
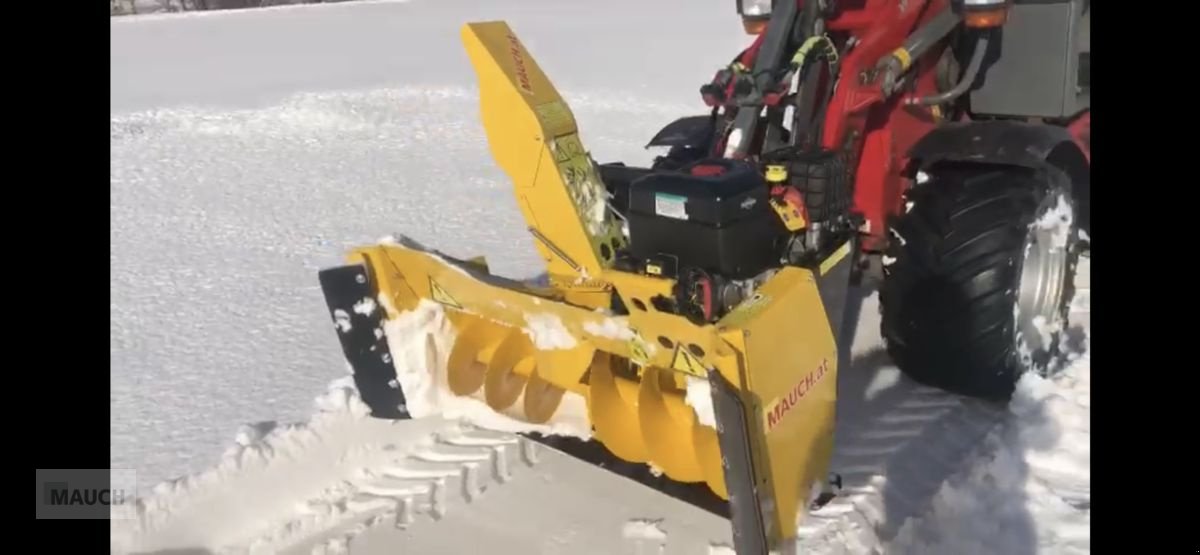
[[548, 332], [365, 307], [1058, 220], [699, 397], [644, 530], [884, 380], [1030, 489], [610, 328], [647, 535], [342, 320], [421, 341]]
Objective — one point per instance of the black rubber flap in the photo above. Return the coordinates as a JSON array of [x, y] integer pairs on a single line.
[[359, 318]]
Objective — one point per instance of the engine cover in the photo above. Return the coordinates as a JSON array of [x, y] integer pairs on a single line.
[[713, 215]]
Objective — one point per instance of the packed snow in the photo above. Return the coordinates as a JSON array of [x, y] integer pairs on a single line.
[[241, 166], [644, 530], [611, 328], [699, 397], [548, 332], [421, 340]]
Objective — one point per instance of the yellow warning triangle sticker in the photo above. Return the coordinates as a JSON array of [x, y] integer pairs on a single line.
[[685, 362], [440, 295]]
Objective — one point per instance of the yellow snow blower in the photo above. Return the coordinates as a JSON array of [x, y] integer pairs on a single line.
[[621, 321]]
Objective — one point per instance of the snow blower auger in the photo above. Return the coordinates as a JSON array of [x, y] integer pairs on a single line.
[[629, 341]]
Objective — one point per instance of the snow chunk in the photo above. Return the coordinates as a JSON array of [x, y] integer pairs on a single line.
[[699, 397], [888, 260], [341, 319], [1058, 221], [884, 379], [365, 307], [341, 397], [548, 332], [1046, 330], [641, 529], [610, 328], [252, 434]]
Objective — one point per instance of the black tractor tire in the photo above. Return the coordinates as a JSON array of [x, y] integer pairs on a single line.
[[954, 315]]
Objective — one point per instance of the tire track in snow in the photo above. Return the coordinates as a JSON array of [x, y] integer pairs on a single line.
[[313, 487], [424, 486]]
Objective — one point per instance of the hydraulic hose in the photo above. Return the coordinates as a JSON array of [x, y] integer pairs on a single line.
[[981, 46]]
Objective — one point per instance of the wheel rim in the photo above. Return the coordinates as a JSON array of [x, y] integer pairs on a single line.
[[1042, 283]]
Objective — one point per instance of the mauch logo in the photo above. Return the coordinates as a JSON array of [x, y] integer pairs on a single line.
[[514, 48], [95, 493], [779, 408], [61, 493]]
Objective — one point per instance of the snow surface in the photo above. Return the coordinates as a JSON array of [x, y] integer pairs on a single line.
[[241, 166]]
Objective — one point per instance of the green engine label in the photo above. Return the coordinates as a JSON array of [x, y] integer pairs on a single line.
[[670, 206]]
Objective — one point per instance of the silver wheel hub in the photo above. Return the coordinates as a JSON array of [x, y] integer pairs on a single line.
[[1043, 280]]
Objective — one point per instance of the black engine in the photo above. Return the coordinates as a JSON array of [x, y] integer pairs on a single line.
[[713, 215], [721, 227]]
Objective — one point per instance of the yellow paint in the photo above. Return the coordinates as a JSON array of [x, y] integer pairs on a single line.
[[904, 57], [776, 174], [834, 258]]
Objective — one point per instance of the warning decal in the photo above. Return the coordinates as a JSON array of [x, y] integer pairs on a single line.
[[685, 362], [440, 295]]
